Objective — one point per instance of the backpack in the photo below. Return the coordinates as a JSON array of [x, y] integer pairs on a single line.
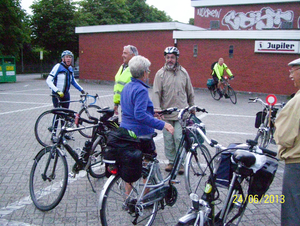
[[213, 64]]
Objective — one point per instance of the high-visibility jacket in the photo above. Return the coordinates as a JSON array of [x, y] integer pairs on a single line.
[[219, 70], [121, 79]]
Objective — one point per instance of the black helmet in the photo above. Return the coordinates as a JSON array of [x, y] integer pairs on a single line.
[[171, 50]]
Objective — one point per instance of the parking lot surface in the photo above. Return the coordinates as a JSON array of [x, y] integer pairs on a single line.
[[22, 102]]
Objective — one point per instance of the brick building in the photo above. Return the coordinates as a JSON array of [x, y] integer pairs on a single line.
[[256, 39]]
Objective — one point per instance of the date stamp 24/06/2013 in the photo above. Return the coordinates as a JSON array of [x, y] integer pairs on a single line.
[[255, 199]]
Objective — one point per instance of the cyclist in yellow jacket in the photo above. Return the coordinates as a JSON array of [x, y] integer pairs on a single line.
[[218, 72], [123, 75]]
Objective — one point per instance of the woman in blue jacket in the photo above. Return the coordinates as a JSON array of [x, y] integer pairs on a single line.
[[137, 108]]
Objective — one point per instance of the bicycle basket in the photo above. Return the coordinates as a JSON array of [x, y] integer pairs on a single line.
[[262, 179], [260, 118], [210, 83]]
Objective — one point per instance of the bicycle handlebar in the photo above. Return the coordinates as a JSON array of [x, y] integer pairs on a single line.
[[256, 99], [167, 111]]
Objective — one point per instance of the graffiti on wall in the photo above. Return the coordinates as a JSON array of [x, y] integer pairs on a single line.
[[205, 12], [265, 18]]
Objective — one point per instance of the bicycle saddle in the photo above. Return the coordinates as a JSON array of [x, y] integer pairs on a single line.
[[147, 137], [245, 157], [63, 111]]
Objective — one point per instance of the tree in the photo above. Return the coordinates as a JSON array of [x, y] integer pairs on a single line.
[[14, 29], [142, 12], [53, 26]]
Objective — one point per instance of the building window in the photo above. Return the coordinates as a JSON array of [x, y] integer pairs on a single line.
[[214, 24], [286, 25]]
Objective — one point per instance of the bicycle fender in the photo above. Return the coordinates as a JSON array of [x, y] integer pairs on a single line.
[[105, 187], [187, 218]]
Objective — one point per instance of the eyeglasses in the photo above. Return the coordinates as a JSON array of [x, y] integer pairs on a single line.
[[292, 71]]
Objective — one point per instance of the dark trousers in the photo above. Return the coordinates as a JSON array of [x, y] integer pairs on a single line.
[[290, 208]]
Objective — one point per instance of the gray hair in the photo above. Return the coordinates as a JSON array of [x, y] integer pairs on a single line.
[[138, 65], [132, 49]]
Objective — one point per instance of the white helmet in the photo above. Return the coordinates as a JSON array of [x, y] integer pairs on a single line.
[[171, 50]]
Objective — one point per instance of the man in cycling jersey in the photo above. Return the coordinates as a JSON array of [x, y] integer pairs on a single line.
[[218, 72], [61, 78]]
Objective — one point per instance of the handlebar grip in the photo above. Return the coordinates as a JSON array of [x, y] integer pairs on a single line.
[[252, 98], [269, 152], [199, 109]]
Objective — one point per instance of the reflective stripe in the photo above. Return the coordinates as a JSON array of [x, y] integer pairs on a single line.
[[121, 83]]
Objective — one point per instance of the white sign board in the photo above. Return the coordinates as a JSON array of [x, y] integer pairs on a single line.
[[276, 47]]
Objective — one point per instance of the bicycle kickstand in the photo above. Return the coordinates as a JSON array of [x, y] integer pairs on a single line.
[[88, 176]]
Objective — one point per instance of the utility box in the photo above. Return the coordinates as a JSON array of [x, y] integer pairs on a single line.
[[7, 69]]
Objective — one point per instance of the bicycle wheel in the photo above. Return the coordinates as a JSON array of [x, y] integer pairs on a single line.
[[196, 169], [86, 113], [118, 208], [214, 93], [97, 166], [48, 178], [237, 204], [261, 137], [232, 95]]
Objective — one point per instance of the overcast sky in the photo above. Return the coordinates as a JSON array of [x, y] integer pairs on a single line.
[[179, 10]]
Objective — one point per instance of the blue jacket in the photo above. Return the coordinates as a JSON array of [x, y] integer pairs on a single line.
[[137, 109]]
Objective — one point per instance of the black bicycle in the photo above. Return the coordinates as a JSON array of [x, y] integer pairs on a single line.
[[49, 123], [49, 174], [227, 91], [265, 122], [138, 202]]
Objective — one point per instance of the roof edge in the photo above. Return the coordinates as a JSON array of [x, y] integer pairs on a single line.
[[136, 27]]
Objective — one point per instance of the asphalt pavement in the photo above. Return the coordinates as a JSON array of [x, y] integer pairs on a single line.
[[22, 102]]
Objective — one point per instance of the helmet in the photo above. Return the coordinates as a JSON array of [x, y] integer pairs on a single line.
[[67, 52], [295, 62], [171, 50]]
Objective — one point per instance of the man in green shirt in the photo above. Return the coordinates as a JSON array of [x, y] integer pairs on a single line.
[[123, 75]]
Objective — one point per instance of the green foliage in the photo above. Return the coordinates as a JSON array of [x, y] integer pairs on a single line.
[[14, 30], [53, 26]]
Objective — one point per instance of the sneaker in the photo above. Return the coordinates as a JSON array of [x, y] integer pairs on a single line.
[[226, 96], [68, 137], [181, 170], [169, 167]]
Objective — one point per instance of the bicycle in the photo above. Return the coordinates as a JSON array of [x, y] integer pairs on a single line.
[[252, 174], [226, 91], [49, 173], [48, 124], [137, 203], [265, 121]]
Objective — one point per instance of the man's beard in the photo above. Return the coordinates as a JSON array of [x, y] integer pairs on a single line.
[[170, 66]]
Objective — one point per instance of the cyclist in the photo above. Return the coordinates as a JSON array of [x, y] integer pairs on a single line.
[[61, 78], [172, 87], [59, 81], [217, 74], [123, 75]]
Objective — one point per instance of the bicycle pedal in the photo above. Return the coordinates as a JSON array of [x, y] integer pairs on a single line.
[[175, 181], [72, 175]]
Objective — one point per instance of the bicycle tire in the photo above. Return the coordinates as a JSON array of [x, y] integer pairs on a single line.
[[214, 93], [90, 111], [46, 193], [48, 125], [232, 95], [97, 166], [196, 169], [118, 208]]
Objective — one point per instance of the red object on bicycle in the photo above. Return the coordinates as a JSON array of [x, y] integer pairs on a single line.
[[225, 77], [271, 99], [76, 119]]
